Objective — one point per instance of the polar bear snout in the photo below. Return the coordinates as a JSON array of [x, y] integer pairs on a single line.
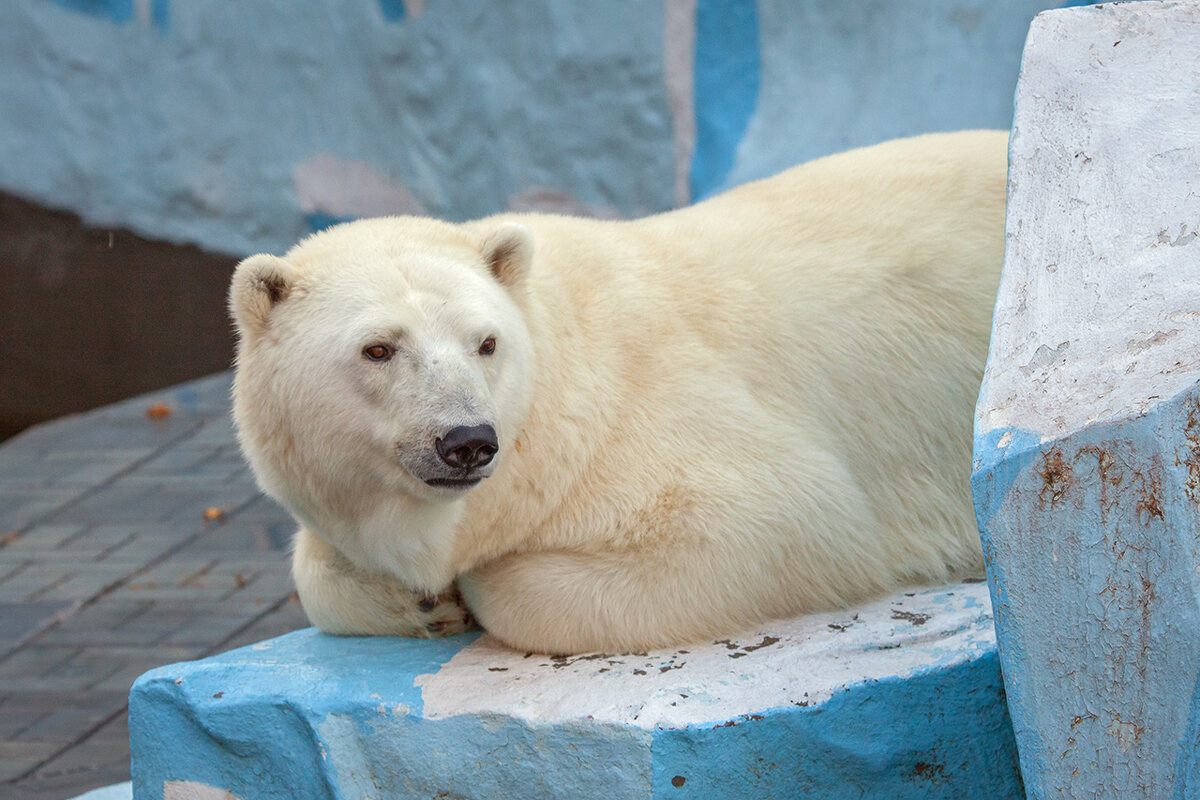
[[468, 447], [456, 459]]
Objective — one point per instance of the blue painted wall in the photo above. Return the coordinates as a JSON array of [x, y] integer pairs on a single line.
[[728, 70], [241, 126]]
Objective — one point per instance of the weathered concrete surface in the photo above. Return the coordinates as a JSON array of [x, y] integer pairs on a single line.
[[842, 75], [898, 699], [1087, 471], [240, 126]]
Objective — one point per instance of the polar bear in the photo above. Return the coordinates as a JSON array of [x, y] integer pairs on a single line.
[[624, 435]]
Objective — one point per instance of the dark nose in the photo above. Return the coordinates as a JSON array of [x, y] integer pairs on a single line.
[[468, 447]]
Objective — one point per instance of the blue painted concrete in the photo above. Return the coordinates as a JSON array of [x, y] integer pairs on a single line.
[[121, 11], [889, 740], [728, 74], [318, 221], [1073, 622], [160, 14], [309, 715], [114, 10], [118, 791], [192, 128], [313, 716], [1187, 763], [194, 133], [842, 75], [248, 720], [393, 10], [1000, 456], [1090, 514]]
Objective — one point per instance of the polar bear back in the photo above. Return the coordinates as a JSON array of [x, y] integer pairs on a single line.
[[789, 368], [751, 408]]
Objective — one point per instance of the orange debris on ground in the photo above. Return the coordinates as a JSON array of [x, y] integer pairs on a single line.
[[158, 411]]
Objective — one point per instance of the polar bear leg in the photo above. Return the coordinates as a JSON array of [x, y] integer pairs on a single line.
[[568, 602], [340, 597]]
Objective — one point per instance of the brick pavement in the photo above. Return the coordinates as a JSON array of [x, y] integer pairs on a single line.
[[109, 566]]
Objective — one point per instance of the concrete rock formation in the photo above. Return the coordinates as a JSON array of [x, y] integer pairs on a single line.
[[898, 699], [1087, 473]]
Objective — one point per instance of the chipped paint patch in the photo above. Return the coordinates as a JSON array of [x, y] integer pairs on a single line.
[[190, 790], [1089, 526], [342, 189]]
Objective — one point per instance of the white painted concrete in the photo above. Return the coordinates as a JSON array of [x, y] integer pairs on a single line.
[[797, 662], [1087, 450], [1099, 308], [899, 698]]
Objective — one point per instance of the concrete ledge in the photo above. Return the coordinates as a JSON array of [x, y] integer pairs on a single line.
[[898, 699], [1087, 474]]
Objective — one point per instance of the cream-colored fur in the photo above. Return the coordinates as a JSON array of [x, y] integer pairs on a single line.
[[751, 408]]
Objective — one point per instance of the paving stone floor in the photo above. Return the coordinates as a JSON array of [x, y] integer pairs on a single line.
[[130, 537]]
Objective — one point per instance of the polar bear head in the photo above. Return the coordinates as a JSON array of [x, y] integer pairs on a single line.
[[383, 369]]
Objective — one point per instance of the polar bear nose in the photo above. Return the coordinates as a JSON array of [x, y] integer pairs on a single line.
[[467, 447]]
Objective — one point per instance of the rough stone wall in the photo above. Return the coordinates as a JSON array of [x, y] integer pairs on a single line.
[[1087, 432], [241, 126]]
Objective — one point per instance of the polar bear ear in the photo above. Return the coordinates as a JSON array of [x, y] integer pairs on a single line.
[[508, 252], [259, 284]]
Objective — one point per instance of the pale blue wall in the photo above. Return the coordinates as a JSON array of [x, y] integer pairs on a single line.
[[838, 75], [239, 126]]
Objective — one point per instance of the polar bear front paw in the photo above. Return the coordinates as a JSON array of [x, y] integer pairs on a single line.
[[340, 597], [446, 613]]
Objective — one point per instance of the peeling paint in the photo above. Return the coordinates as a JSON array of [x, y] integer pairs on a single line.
[[1183, 238], [1091, 528], [1057, 477], [1044, 357], [343, 189], [190, 790], [808, 656], [798, 702]]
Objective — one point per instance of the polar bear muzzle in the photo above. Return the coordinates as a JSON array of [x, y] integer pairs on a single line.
[[466, 447]]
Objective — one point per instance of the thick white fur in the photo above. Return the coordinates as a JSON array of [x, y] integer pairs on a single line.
[[747, 409]]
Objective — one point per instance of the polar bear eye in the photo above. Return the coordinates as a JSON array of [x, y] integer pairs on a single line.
[[488, 347], [379, 352]]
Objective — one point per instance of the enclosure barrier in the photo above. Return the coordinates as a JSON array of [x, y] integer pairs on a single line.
[[1087, 474], [1086, 481], [899, 699]]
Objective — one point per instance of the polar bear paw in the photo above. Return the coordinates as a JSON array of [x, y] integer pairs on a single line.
[[445, 614], [341, 598]]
